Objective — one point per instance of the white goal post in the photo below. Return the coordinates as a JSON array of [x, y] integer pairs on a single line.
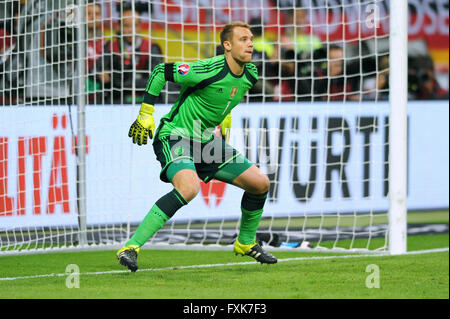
[[325, 122], [398, 127]]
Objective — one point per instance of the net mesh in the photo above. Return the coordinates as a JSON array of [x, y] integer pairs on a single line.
[[316, 122]]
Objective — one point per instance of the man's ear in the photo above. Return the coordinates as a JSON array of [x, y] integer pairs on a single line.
[[227, 45]]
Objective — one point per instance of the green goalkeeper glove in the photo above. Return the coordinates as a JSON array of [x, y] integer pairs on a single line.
[[225, 127], [144, 125]]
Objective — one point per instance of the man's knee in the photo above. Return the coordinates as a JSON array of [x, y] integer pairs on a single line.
[[259, 184], [187, 184], [189, 191], [253, 181], [262, 184]]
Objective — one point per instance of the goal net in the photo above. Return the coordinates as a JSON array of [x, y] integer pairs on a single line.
[[72, 78]]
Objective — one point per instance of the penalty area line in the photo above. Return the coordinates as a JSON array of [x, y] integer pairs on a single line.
[[418, 252]]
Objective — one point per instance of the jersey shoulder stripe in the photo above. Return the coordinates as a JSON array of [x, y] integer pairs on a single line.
[[205, 63], [208, 65], [251, 72], [209, 68], [252, 69], [157, 70]]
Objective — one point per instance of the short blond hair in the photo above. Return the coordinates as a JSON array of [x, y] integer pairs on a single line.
[[227, 31]]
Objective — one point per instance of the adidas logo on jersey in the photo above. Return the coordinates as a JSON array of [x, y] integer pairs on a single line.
[[220, 90]]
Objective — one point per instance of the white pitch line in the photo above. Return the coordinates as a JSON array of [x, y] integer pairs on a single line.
[[418, 252]]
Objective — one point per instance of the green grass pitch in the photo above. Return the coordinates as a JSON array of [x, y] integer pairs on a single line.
[[199, 274]]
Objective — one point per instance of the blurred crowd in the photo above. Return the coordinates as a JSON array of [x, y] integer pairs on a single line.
[[117, 65], [111, 62], [298, 66]]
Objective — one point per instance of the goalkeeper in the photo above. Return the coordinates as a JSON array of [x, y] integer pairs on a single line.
[[211, 88]]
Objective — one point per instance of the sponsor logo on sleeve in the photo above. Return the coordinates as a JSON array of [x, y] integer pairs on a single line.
[[183, 69]]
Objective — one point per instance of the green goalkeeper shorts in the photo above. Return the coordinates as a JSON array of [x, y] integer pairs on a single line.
[[213, 159]]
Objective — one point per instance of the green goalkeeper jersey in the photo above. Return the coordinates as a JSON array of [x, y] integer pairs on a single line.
[[209, 91]]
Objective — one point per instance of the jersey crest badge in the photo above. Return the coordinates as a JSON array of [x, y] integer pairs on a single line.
[[234, 91], [183, 69], [179, 151]]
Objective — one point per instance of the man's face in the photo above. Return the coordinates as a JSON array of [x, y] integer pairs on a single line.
[[127, 24], [335, 64], [301, 18], [241, 44], [428, 85], [93, 16]]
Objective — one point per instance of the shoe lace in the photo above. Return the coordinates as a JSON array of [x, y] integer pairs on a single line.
[[257, 251], [129, 253]]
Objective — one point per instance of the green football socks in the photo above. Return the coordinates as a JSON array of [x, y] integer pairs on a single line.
[[160, 213], [252, 209]]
